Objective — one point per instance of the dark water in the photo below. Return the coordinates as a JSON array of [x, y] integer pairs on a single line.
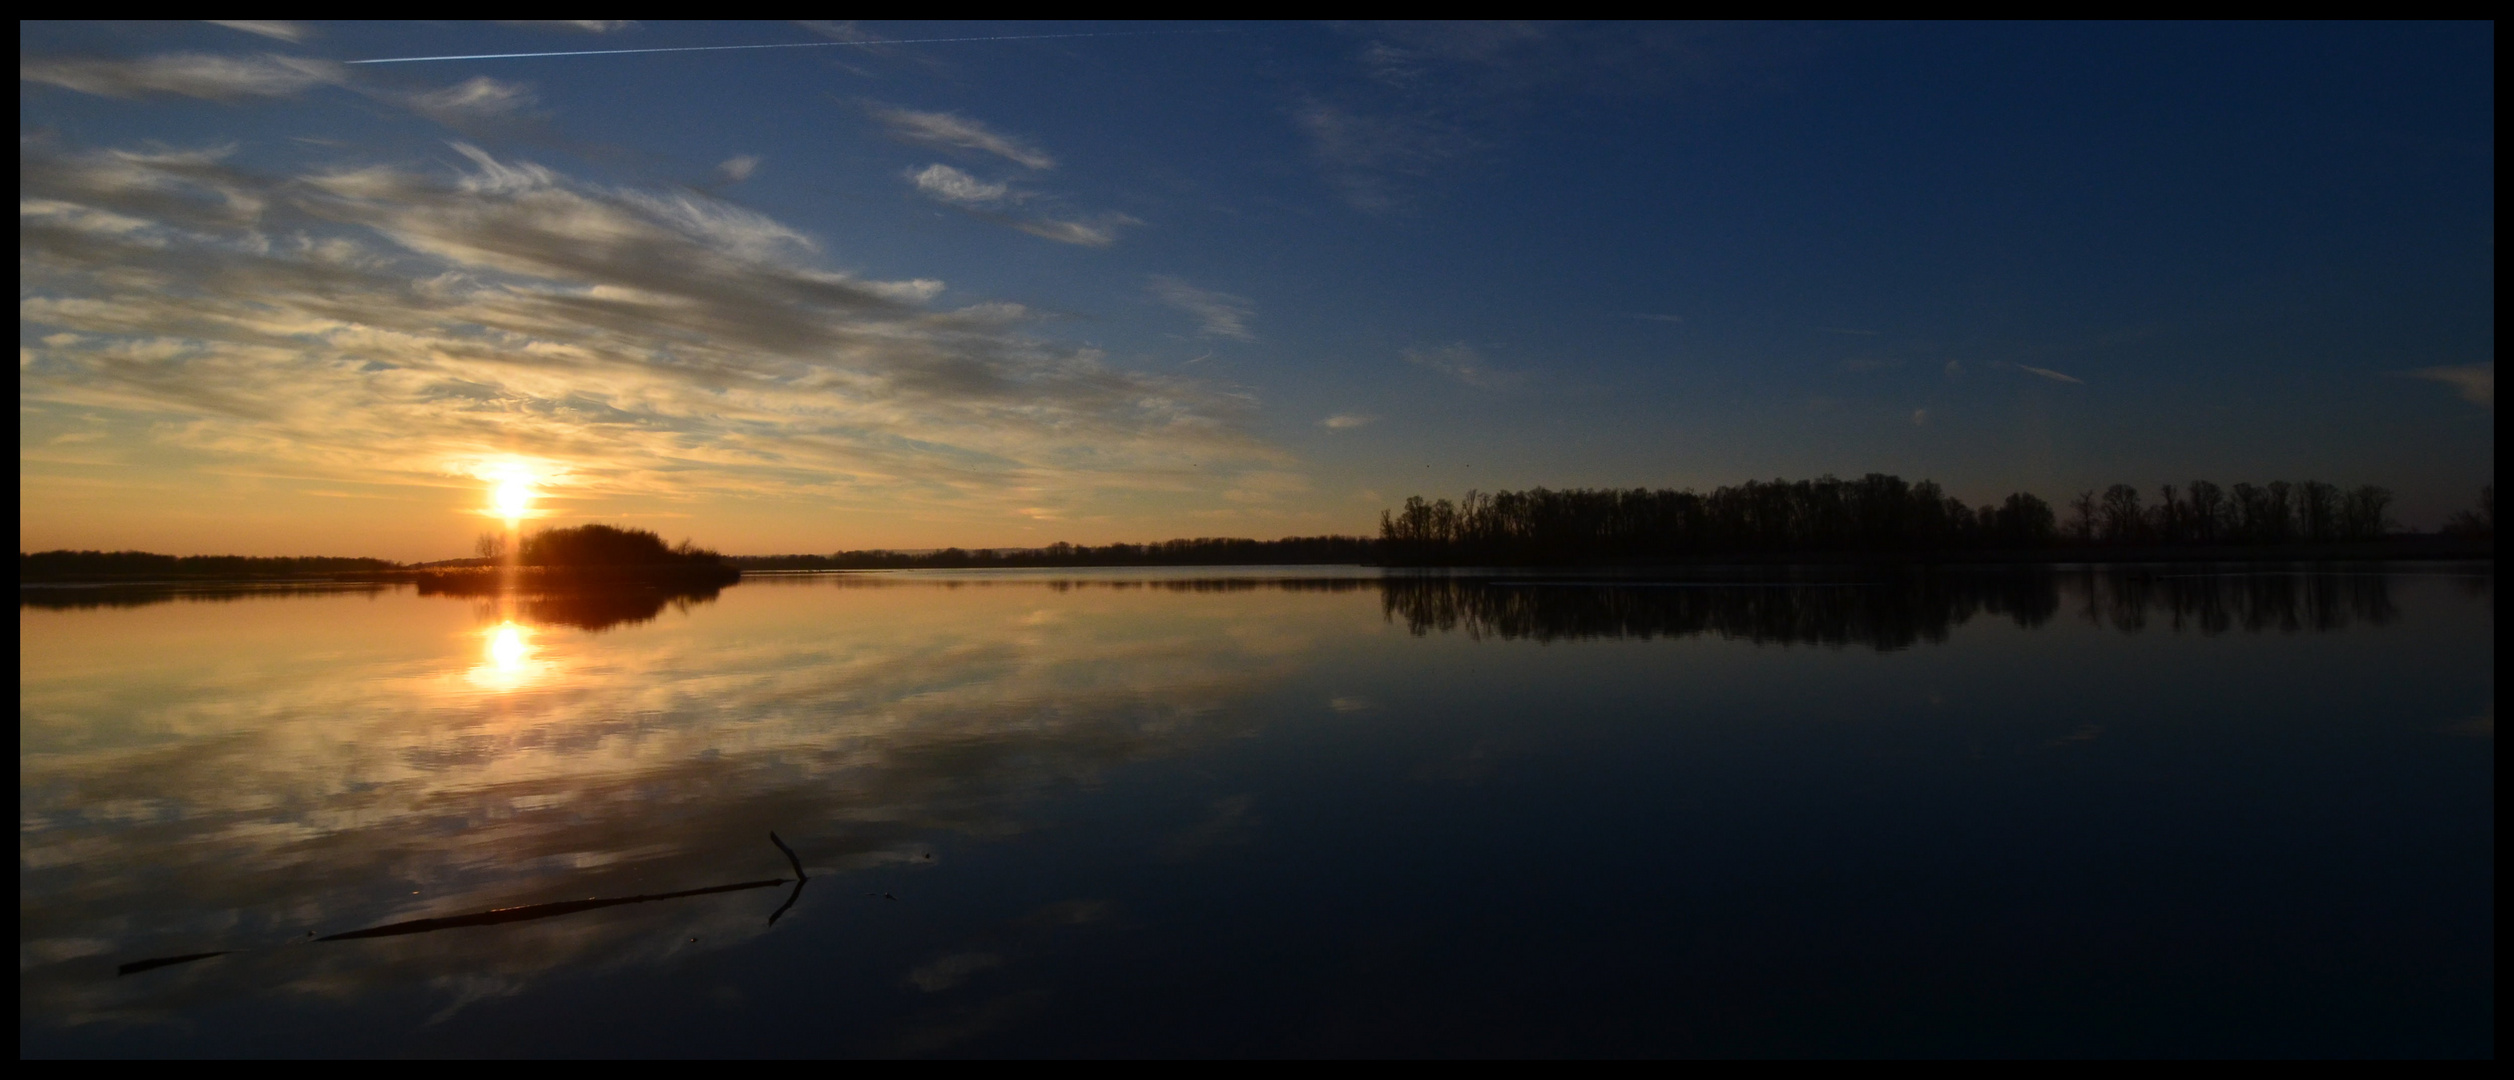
[[2079, 812]]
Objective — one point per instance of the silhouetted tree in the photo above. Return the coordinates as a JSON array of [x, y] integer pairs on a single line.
[[2207, 512], [2082, 517], [2317, 511], [608, 546], [2119, 514], [2480, 521], [2026, 521], [2363, 515]]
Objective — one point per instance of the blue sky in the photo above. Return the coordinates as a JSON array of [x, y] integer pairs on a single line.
[[1132, 282]]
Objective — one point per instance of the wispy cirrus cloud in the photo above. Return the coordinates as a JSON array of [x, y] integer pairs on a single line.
[[738, 167], [954, 186], [580, 26], [1100, 231], [2050, 374], [197, 75], [958, 132], [282, 31], [467, 106], [1373, 157], [474, 101], [2477, 383], [998, 201], [1416, 98], [1463, 363], [1346, 421], [1217, 314], [381, 323]]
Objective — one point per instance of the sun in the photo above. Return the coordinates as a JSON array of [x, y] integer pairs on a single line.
[[513, 498]]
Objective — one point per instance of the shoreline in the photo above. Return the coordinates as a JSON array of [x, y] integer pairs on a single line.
[[484, 579]]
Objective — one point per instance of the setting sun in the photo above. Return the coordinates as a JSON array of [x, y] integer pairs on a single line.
[[513, 498]]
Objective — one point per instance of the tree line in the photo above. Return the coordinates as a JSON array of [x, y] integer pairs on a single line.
[[1876, 513], [111, 565], [1202, 551]]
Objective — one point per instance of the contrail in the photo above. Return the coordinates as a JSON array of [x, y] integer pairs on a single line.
[[788, 45]]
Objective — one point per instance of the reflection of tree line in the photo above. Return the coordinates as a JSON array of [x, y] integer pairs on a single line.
[[1886, 613], [70, 598], [585, 606]]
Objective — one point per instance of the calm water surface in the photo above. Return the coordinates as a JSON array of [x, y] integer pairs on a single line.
[[2092, 812]]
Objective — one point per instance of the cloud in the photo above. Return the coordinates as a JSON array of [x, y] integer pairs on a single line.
[[212, 78], [2476, 382], [473, 101], [1368, 156], [836, 31], [951, 971], [2050, 374], [739, 167], [953, 130], [951, 186], [1464, 364], [858, 734], [284, 31], [1099, 233], [1345, 421], [1217, 314], [581, 26], [954, 186], [1920, 418], [389, 325]]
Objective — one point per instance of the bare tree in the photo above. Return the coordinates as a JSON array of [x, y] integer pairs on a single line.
[[2317, 511], [2479, 521], [2278, 514], [2363, 514], [2120, 514], [2166, 521], [2208, 507], [2082, 517]]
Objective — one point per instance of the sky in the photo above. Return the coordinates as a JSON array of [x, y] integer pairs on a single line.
[[910, 285]]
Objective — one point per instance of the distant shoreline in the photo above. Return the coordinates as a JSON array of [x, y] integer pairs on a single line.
[[456, 577], [2422, 548]]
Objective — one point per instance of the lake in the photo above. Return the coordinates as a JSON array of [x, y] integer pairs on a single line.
[[2074, 811]]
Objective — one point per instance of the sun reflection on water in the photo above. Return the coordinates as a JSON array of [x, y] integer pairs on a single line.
[[508, 660]]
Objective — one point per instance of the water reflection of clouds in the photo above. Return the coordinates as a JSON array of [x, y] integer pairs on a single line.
[[326, 796], [495, 757]]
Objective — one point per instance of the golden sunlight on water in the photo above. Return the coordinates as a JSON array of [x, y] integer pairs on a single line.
[[508, 659], [329, 763]]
